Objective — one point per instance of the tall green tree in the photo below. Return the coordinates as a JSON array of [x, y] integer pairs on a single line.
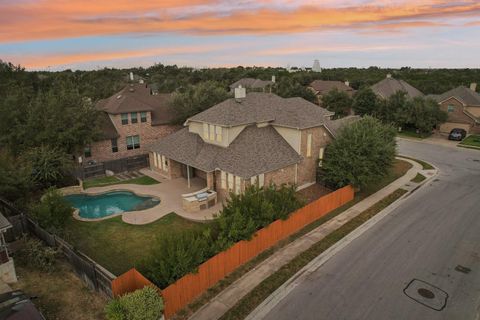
[[48, 165], [365, 102], [362, 154], [287, 87], [338, 102]]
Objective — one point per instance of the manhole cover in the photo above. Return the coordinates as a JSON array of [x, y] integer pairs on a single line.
[[426, 294]]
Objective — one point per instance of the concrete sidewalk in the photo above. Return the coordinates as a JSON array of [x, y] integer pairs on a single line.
[[226, 299]]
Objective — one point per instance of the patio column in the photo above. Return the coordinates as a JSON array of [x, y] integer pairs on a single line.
[[188, 176]]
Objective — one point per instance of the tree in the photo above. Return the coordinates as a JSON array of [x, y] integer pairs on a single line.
[[338, 102], [15, 178], [142, 304], [288, 88], [365, 102], [195, 99], [48, 165], [53, 211], [362, 153], [425, 115]]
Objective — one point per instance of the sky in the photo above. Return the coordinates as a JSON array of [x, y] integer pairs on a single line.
[[92, 34]]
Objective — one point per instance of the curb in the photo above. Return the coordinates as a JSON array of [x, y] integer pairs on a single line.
[[273, 299]]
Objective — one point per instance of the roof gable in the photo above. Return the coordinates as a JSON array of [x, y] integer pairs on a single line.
[[326, 85], [389, 86], [464, 95]]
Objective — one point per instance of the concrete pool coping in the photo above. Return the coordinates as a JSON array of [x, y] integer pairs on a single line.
[[76, 212]]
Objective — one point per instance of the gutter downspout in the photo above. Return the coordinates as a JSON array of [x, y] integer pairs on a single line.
[[188, 176]]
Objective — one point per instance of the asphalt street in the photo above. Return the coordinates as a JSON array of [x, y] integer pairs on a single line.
[[420, 262]]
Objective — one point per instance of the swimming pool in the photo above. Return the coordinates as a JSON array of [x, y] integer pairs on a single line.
[[109, 203]]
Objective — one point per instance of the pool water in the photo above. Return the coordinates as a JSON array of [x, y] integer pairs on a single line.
[[106, 204]]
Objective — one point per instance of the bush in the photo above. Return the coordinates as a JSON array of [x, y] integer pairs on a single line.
[[36, 254], [49, 165], [254, 209], [177, 254], [53, 211], [362, 153], [142, 304]]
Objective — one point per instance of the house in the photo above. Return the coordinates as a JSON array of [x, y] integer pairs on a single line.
[[251, 139], [7, 267], [389, 86], [462, 105], [252, 84], [131, 119], [322, 87]]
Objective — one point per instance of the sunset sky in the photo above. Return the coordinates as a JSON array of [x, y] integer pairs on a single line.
[[86, 34]]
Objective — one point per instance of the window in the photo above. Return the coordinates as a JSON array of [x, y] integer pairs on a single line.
[[124, 118], [114, 145], [237, 185], [451, 108], [212, 132], [155, 162], [143, 116], [133, 142], [223, 179], [230, 181], [218, 133], [133, 117], [320, 157], [205, 131], [87, 152], [309, 145]]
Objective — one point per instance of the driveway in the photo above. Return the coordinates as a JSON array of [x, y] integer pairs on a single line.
[[431, 241]]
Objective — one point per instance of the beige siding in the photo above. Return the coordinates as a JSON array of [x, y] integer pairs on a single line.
[[292, 136]]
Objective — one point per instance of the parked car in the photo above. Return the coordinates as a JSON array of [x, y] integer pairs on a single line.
[[15, 305], [457, 134]]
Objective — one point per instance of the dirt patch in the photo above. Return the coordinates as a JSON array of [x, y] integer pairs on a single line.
[[60, 294], [313, 192]]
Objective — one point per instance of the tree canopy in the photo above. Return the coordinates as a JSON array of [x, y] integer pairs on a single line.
[[338, 102]]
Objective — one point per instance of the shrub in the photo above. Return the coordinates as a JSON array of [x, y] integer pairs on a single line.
[[36, 254], [177, 254], [254, 209], [142, 304], [53, 211], [49, 165], [362, 153]]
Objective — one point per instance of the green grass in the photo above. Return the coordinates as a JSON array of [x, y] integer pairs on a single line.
[[471, 141], [112, 180], [119, 246], [399, 169], [413, 134], [418, 178], [425, 165], [248, 303]]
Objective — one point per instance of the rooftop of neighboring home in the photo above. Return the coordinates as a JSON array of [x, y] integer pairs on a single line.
[[467, 96], [252, 83], [334, 126], [324, 86], [135, 97], [390, 86], [258, 146]]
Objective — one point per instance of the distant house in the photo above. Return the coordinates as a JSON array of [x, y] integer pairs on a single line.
[[131, 119], [252, 84], [463, 107], [322, 87], [389, 86], [251, 139]]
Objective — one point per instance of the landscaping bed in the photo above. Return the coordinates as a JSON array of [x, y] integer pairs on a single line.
[[472, 141], [112, 180], [119, 246]]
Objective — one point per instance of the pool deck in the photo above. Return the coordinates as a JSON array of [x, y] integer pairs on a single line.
[[170, 194]]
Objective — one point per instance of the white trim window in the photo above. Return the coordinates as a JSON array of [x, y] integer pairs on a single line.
[[309, 145], [238, 183]]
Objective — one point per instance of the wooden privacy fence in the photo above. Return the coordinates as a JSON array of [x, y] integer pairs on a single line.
[[186, 289], [130, 281]]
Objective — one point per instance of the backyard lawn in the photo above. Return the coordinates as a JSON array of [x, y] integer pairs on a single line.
[[471, 141], [108, 181], [119, 246]]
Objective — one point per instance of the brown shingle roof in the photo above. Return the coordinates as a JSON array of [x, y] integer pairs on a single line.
[[324, 86], [255, 150], [108, 128], [390, 86], [136, 98], [265, 107], [463, 94], [251, 83], [334, 126]]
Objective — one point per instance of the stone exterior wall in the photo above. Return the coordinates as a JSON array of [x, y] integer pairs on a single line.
[[282, 176], [307, 168], [102, 150]]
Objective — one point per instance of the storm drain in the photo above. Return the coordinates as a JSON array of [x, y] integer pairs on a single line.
[[426, 294], [462, 269]]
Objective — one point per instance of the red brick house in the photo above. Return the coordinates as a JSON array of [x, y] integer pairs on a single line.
[[252, 139], [132, 119], [462, 105]]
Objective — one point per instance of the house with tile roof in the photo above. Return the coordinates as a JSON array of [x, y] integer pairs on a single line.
[[462, 105], [131, 119], [389, 86], [252, 84], [251, 139]]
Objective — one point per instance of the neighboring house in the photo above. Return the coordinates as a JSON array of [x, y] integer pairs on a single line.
[[252, 139], [389, 86], [252, 84], [132, 119], [462, 105], [322, 87]]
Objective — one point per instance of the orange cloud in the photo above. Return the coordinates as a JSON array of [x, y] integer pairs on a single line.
[[53, 19]]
